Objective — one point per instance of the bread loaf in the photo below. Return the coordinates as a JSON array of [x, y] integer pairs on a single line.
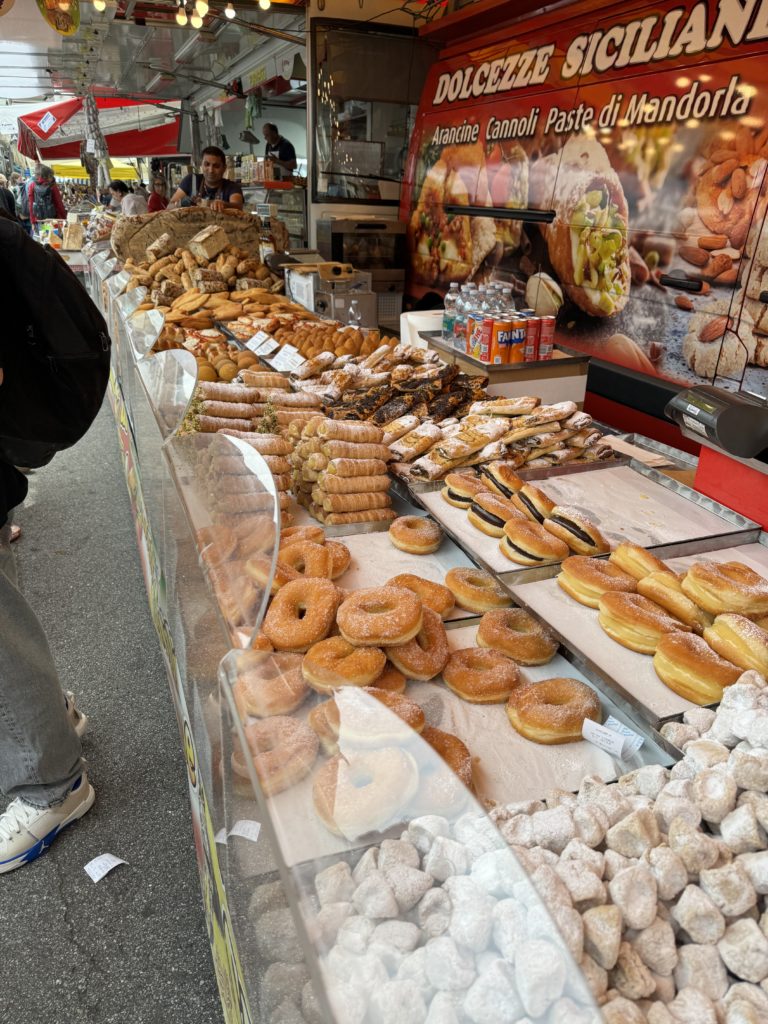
[[208, 243]]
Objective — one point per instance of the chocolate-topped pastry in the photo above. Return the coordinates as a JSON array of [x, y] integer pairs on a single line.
[[581, 535], [489, 512], [533, 503]]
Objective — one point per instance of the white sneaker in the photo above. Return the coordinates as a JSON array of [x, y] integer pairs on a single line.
[[78, 719], [27, 831]]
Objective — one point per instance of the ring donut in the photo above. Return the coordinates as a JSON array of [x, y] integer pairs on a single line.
[[391, 679], [306, 559], [441, 792], [259, 568], [334, 662], [433, 595], [552, 711], [481, 676], [301, 614], [363, 724], [476, 591], [516, 634], [425, 656], [293, 534], [417, 535], [282, 751], [380, 617], [269, 684], [341, 556]]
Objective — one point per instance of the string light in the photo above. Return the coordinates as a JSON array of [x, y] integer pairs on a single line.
[[181, 15], [265, 4], [196, 21], [229, 10], [201, 6]]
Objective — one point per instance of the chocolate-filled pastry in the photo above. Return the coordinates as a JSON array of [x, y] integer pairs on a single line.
[[460, 489], [528, 543], [489, 512], [502, 478], [533, 503], [577, 531]]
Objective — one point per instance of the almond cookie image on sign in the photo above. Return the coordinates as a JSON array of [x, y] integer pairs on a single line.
[[718, 343]]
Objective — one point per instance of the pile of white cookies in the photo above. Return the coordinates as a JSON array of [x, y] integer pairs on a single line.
[[657, 885]]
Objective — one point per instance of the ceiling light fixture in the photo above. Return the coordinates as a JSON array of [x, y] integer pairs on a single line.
[[181, 15], [196, 21], [100, 5], [229, 10], [201, 6], [265, 4]]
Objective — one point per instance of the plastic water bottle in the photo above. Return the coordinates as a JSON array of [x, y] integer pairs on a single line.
[[507, 301], [460, 321], [449, 312], [354, 318]]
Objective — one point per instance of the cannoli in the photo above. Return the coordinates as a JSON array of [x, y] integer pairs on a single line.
[[332, 484], [353, 450], [265, 444], [356, 467], [344, 430], [374, 515], [355, 502]]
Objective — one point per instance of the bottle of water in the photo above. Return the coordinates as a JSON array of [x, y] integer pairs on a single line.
[[460, 321], [507, 301], [449, 312], [481, 305], [354, 317]]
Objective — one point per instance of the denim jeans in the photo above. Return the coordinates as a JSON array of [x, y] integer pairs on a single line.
[[39, 749]]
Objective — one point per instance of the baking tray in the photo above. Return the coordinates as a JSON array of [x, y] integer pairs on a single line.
[[627, 502], [629, 675]]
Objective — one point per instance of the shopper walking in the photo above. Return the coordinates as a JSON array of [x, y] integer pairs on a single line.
[[20, 189], [45, 202], [54, 362], [210, 187]]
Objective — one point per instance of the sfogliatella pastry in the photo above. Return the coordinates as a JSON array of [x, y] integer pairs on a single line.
[[528, 543], [667, 591], [687, 664], [552, 711], [515, 633], [635, 622], [739, 640], [727, 587], [635, 560], [488, 513], [460, 489], [587, 579], [576, 530]]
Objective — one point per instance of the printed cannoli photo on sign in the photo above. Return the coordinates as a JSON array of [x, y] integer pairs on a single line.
[[645, 145]]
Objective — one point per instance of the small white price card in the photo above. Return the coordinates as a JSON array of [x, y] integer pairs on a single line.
[[102, 865], [255, 343], [284, 360], [613, 737], [246, 829]]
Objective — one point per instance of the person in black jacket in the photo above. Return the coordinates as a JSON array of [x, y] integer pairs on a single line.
[[41, 767], [7, 202]]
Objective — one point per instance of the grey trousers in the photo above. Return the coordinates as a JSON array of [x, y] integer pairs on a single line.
[[39, 750]]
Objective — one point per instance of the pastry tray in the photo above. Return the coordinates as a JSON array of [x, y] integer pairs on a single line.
[[628, 502], [630, 675], [506, 766]]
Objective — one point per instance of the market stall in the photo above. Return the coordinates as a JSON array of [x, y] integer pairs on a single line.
[[436, 653]]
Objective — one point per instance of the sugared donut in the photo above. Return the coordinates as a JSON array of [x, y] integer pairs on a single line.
[[217, 545], [268, 684], [516, 634], [259, 568], [340, 557], [380, 617], [739, 640], [306, 559], [366, 792], [362, 723], [635, 622], [391, 679], [334, 662], [636, 561], [425, 656], [418, 535], [293, 534], [667, 591], [433, 595], [481, 676], [443, 787], [301, 613], [476, 591], [727, 587], [579, 533], [553, 710], [587, 579], [282, 751], [687, 664]]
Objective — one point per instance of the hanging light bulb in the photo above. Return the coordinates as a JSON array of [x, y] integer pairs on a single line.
[[265, 4], [100, 5], [229, 10], [196, 21], [201, 6], [181, 15]]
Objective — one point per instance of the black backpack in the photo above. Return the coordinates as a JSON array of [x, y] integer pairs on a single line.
[[43, 206], [54, 351]]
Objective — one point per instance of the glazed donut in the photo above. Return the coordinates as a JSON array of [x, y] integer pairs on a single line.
[[282, 751], [579, 533], [687, 664], [365, 793], [417, 535], [391, 679], [667, 591], [363, 724], [635, 622], [340, 557], [739, 640], [636, 561], [380, 617], [293, 534], [301, 614], [515, 633], [476, 591], [727, 587], [553, 710], [268, 684], [425, 656], [307, 559], [481, 676], [433, 595], [333, 663], [587, 579], [440, 791], [259, 568]]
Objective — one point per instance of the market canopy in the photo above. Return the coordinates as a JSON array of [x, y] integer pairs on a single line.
[[74, 169], [130, 127]]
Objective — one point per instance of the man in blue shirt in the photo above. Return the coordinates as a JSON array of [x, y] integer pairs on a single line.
[[219, 192]]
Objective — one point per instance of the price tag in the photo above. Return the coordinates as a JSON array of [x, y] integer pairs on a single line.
[[613, 737], [284, 360], [102, 865], [255, 343]]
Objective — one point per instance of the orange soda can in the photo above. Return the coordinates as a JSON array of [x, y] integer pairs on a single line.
[[516, 346]]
